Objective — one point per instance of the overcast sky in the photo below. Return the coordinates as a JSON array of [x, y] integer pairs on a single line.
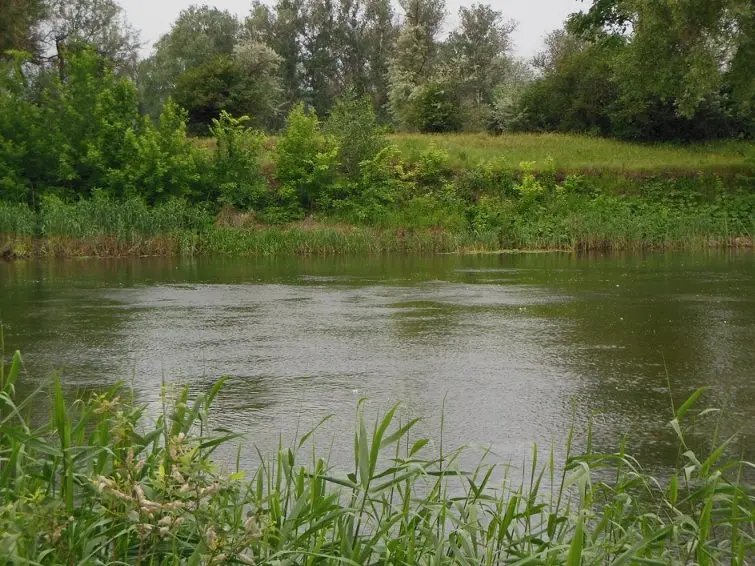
[[536, 17]]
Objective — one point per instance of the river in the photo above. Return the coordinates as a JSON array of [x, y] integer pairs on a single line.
[[513, 349]]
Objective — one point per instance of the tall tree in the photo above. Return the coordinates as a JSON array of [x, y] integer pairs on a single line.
[[414, 54], [282, 29], [100, 24], [380, 33], [19, 25], [199, 35], [684, 52], [480, 46], [321, 58]]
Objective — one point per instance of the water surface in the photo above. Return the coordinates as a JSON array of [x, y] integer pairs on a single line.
[[520, 347]]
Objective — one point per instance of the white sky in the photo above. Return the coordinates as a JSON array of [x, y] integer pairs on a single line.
[[536, 17]]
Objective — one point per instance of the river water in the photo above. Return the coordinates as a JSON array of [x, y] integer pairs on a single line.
[[513, 349]]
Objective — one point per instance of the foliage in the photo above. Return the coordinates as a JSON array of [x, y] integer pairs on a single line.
[[354, 125], [305, 158], [436, 107], [198, 36], [100, 484], [85, 133], [237, 172], [19, 26], [244, 83]]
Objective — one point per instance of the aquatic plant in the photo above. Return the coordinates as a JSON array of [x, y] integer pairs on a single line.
[[101, 483]]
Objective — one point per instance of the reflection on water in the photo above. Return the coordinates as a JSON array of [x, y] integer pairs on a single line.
[[518, 346]]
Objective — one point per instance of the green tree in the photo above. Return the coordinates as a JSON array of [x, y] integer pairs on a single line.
[[380, 33], [321, 63], [19, 26], [685, 52], [198, 36], [414, 56], [100, 24], [282, 29], [242, 84], [479, 49], [305, 158]]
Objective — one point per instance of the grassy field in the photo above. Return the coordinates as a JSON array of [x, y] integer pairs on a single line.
[[583, 153]]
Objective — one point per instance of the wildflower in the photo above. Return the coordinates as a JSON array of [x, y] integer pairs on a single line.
[[211, 537], [209, 490], [165, 521], [245, 558], [144, 529]]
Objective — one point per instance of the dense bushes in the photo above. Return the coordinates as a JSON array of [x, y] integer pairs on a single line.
[[80, 130]]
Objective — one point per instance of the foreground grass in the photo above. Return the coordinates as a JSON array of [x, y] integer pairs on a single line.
[[583, 154], [100, 484]]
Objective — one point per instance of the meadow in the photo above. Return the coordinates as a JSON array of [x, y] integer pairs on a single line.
[[573, 153]]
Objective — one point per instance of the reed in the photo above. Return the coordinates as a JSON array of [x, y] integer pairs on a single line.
[[100, 483]]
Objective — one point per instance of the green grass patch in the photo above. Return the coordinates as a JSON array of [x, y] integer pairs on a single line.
[[101, 483], [583, 154]]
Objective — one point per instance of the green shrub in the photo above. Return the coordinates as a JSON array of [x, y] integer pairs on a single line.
[[236, 168], [167, 165], [436, 108], [354, 126], [305, 158]]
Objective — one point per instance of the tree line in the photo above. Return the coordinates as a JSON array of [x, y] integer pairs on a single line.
[[633, 69]]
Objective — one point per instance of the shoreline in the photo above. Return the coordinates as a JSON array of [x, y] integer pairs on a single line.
[[325, 241]]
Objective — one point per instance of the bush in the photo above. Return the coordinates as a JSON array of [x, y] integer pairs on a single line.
[[305, 159], [167, 165], [237, 173], [436, 108], [77, 129], [354, 126]]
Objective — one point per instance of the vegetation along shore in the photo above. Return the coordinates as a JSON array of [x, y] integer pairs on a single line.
[[103, 482]]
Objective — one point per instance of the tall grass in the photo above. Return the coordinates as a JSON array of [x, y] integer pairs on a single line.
[[101, 484]]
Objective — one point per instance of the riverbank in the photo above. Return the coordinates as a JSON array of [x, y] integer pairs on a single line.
[[101, 483], [467, 214]]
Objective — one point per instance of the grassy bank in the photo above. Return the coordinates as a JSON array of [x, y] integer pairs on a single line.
[[584, 154], [102, 484], [423, 194], [572, 218]]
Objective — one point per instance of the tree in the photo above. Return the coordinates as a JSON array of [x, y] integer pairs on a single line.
[[199, 35], [19, 26], [685, 52], [282, 29], [321, 60], [478, 51], [380, 33], [480, 46], [414, 55], [100, 24]]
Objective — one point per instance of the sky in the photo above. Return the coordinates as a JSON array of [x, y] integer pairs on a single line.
[[535, 17]]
